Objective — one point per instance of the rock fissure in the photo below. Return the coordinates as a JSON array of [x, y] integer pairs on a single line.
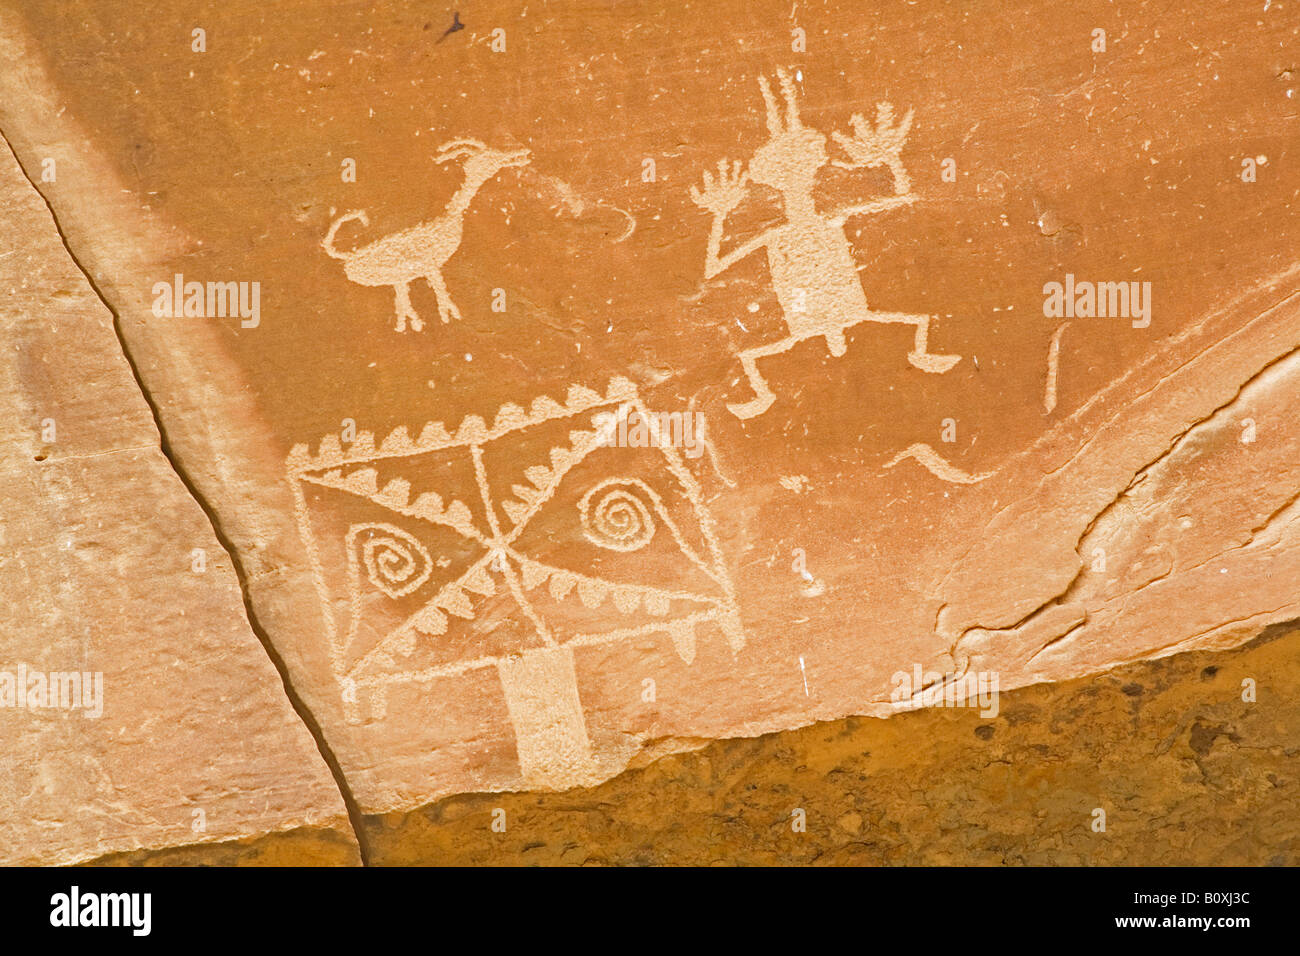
[[164, 447], [1063, 597]]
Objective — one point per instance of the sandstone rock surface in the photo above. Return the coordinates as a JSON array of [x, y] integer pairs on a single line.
[[137, 707], [582, 386]]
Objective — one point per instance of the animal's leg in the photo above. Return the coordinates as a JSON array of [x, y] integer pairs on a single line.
[[446, 308], [763, 397], [404, 308]]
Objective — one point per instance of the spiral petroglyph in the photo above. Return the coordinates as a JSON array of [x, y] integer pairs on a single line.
[[395, 562], [620, 518]]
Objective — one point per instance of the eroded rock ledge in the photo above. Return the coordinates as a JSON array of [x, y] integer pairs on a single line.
[[1187, 772]]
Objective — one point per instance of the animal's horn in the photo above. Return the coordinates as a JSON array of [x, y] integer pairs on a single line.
[[787, 91], [460, 143], [457, 147], [773, 114]]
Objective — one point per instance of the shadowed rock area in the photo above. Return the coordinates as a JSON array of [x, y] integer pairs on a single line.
[[1187, 772]]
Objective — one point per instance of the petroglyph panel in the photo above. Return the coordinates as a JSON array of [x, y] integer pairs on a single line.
[[778, 352]]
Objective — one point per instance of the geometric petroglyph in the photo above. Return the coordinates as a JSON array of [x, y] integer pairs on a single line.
[[809, 258], [421, 251], [508, 545]]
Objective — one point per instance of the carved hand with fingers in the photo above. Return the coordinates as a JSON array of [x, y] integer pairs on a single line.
[[881, 145], [720, 196]]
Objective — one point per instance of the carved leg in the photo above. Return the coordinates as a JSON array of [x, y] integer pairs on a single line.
[[835, 342], [901, 181], [541, 690], [924, 359], [920, 356], [763, 397], [404, 308], [446, 308]]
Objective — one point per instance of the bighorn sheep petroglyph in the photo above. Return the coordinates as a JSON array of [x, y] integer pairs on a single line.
[[421, 251]]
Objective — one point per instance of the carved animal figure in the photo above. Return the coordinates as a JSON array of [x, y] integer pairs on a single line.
[[421, 251]]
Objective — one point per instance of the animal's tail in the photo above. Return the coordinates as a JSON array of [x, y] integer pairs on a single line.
[[328, 242]]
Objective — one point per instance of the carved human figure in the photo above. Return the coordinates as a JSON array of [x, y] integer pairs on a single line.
[[809, 257]]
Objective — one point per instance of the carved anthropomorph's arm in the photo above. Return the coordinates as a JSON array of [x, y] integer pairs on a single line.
[[845, 213], [870, 147], [720, 197]]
